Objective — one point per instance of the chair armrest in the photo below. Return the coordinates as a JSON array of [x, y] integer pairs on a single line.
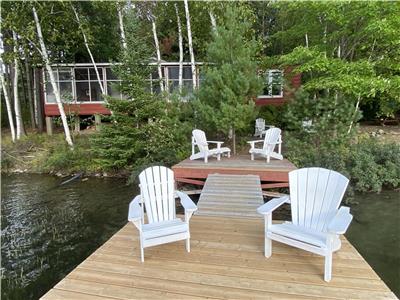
[[253, 142], [273, 204], [135, 211], [341, 221], [215, 142], [186, 202]]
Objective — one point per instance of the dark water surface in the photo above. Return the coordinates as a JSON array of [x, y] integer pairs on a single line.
[[375, 232], [47, 229]]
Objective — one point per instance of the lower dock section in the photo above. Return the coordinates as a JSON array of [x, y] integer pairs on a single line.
[[226, 262]]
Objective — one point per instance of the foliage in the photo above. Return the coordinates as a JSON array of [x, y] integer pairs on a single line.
[[272, 115], [328, 143], [340, 53], [144, 128], [330, 122], [231, 81]]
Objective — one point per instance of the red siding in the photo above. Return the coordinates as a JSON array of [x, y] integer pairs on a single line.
[[81, 109], [295, 83]]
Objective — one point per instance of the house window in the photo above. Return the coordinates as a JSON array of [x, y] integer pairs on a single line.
[[113, 85], [173, 79], [63, 78], [273, 84], [87, 85], [80, 84]]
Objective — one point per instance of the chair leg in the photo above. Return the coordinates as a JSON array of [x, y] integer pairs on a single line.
[[328, 267], [205, 159], [268, 159], [252, 156], [229, 154], [219, 156], [267, 247], [141, 254], [188, 245]]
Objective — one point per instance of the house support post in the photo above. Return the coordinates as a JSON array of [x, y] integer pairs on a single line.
[[97, 121], [77, 121], [49, 125]]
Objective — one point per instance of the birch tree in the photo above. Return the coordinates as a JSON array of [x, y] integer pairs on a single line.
[[213, 21], [189, 33], [121, 26], [17, 105], [158, 53], [88, 50], [180, 38], [5, 91], [43, 52]]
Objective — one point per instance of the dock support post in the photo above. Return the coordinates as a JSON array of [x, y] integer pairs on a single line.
[[49, 125], [97, 121]]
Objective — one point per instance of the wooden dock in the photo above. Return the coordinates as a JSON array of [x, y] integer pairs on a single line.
[[226, 262], [231, 196], [273, 174]]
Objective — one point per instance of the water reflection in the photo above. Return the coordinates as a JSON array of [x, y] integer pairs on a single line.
[[48, 229]]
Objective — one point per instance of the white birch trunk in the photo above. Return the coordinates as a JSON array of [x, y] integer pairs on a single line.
[[355, 112], [213, 21], [306, 37], [17, 105], [52, 79], [121, 28], [88, 50], [190, 44], [5, 91], [153, 23], [178, 20]]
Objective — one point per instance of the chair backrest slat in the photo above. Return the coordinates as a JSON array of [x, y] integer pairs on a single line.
[[157, 189], [200, 139], [272, 137], [315, 195]]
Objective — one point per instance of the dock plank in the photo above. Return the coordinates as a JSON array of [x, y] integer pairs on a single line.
[[231, 196], [226, 262]]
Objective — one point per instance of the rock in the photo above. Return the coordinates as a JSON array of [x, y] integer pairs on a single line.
[[373, 134], [85, 179], [59, 174], [105, 174], [380, 131]]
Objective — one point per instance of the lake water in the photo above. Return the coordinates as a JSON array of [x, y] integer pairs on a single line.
[[48, 229]]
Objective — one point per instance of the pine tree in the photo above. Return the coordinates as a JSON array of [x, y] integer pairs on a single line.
[[226, 97]]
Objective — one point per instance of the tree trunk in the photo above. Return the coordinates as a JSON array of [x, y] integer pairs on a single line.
[[190, 44], [17, 105], [88, 50], [29, 89], [121, 28], [355, 112], [8, 103], [178, 20], [234, 140], [36, 102], [52, 79], [153, 23], [306, 36], [213, 21]]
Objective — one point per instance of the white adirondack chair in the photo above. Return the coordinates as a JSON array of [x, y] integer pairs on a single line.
[[260, 127], [157, 194], [317, 221], [199, 139], [272, 139]]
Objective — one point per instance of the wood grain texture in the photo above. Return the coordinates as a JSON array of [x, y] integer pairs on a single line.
[[231, 196], [226, 262]]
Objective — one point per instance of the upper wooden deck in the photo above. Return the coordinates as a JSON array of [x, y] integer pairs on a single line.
[[273, 174], [226, 262]]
